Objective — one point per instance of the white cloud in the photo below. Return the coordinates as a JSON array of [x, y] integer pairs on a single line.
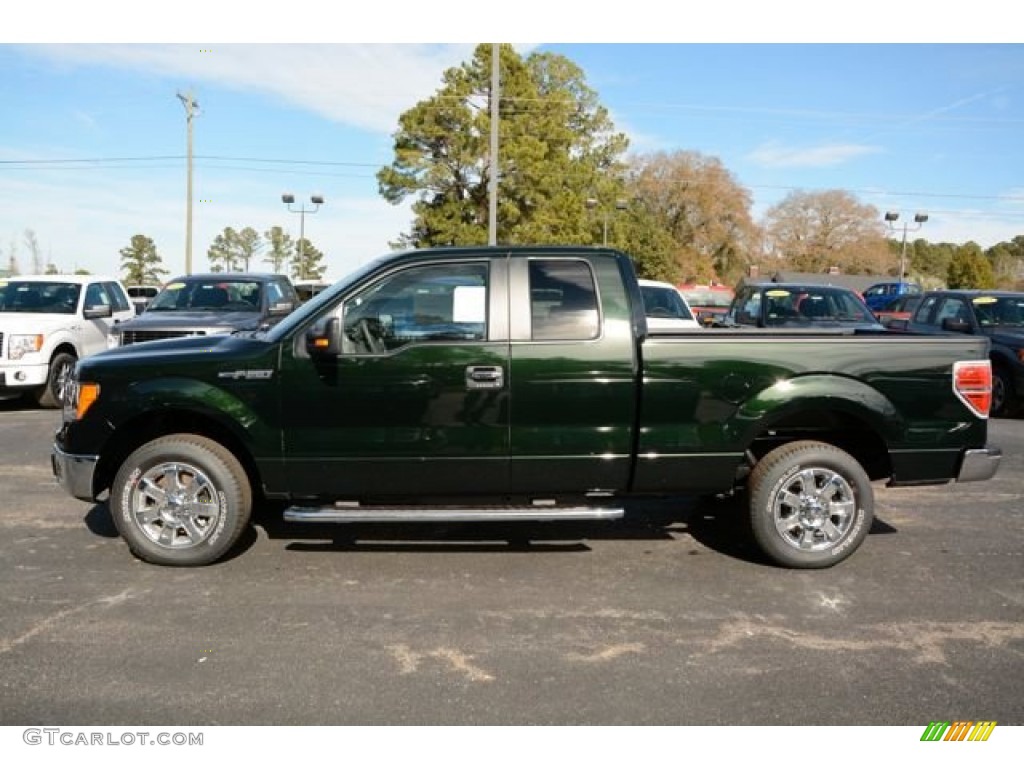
[[775, 155], [364, 86]]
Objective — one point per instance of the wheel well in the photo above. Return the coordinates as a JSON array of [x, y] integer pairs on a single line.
[[149, 426], [845, 431], [65, 347]]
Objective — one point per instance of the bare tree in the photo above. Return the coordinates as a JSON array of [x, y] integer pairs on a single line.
[[813, 231], [32, 243], [705, 210]]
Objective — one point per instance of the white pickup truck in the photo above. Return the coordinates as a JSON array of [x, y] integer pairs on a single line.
[[48, 322]]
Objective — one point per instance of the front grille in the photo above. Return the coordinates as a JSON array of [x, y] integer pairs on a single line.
[[134, 337]]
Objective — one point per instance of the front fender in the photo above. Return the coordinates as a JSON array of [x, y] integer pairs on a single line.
[[233, 410]]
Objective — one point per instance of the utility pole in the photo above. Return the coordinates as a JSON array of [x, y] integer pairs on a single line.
[[191, 110], [492, 186]]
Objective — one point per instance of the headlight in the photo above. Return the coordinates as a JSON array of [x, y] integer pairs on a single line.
[[78, 398], [113, 340], [24, 345]]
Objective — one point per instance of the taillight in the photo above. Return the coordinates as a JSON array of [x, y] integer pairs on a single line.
[[972, 382]]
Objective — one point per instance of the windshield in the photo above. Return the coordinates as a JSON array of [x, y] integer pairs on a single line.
[[1006, 311], [664, 302], [208, 294], [38, 297], [814, 306]]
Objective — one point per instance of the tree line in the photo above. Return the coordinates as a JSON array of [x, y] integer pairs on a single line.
[[565, 177], [231, 251]]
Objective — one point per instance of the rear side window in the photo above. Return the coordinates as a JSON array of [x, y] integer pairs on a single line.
[[563, 301]]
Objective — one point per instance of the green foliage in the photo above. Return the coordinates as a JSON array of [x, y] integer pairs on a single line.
[[249, 244], [306, 263], [223, 252], [280, 249], [558, 147], [232, 251], [969, 268], [51, 269], [140, 262]]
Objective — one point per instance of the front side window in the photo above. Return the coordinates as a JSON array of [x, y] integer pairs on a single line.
[[923, 311], [563, 301], [952, 309], [434, 303], [96, 296], [117, 296]]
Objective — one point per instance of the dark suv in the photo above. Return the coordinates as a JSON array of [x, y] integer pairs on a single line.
[[204, 305], [791, 305], [999, 315]]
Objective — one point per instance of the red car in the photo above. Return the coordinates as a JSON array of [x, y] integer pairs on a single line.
[[707, 302], [898, 309]]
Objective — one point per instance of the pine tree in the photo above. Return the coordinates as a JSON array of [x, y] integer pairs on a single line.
[[140, 262]]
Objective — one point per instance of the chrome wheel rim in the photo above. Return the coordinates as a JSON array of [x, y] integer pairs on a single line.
[[813, 509], [175, 505], [62, 378]]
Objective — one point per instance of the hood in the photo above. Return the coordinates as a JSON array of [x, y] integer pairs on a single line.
[[217, 322], [176, 353], [35, 322], [1008, 337]]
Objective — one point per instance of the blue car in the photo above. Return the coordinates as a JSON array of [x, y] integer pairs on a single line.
[[880, 294]]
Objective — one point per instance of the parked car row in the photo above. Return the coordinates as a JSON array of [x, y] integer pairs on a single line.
[[49, 322], [997, 315]]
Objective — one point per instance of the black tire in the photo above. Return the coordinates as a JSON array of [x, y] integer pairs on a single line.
[[1004, 397], [51, 394], [209, 508], [811, 505]]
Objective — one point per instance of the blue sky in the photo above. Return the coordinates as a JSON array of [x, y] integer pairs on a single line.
[[903, 122]]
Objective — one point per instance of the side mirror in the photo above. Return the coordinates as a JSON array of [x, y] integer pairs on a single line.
[[325, 343], [97, 312], [281, 308], [956, 326]]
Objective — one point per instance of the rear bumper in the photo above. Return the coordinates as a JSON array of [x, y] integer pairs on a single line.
[[979, 464], [74, 473]]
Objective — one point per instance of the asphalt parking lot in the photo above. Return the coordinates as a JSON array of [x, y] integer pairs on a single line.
[[664, 618]]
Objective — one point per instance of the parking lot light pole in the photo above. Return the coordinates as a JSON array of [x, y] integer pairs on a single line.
[[919, 219], [191, 110], [289, 200], [620, 205]]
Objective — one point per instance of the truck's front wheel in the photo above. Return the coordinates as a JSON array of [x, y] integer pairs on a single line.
[[181, 500], [811, 504], [51, 394]]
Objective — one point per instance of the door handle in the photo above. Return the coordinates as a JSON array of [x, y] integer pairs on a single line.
[[485, 377]]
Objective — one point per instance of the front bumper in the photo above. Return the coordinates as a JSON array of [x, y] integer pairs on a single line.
[[979, 464], [74, 473], [20, 376]]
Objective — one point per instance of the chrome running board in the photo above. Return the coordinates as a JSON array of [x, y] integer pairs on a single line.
[[448, 514]]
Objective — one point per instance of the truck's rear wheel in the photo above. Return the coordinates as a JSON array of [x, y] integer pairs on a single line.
[[51, 394], [811, 504], [181, 500], [1003, 394]]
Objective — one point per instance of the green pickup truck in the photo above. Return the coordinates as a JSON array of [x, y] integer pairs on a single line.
[[514, 384]]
